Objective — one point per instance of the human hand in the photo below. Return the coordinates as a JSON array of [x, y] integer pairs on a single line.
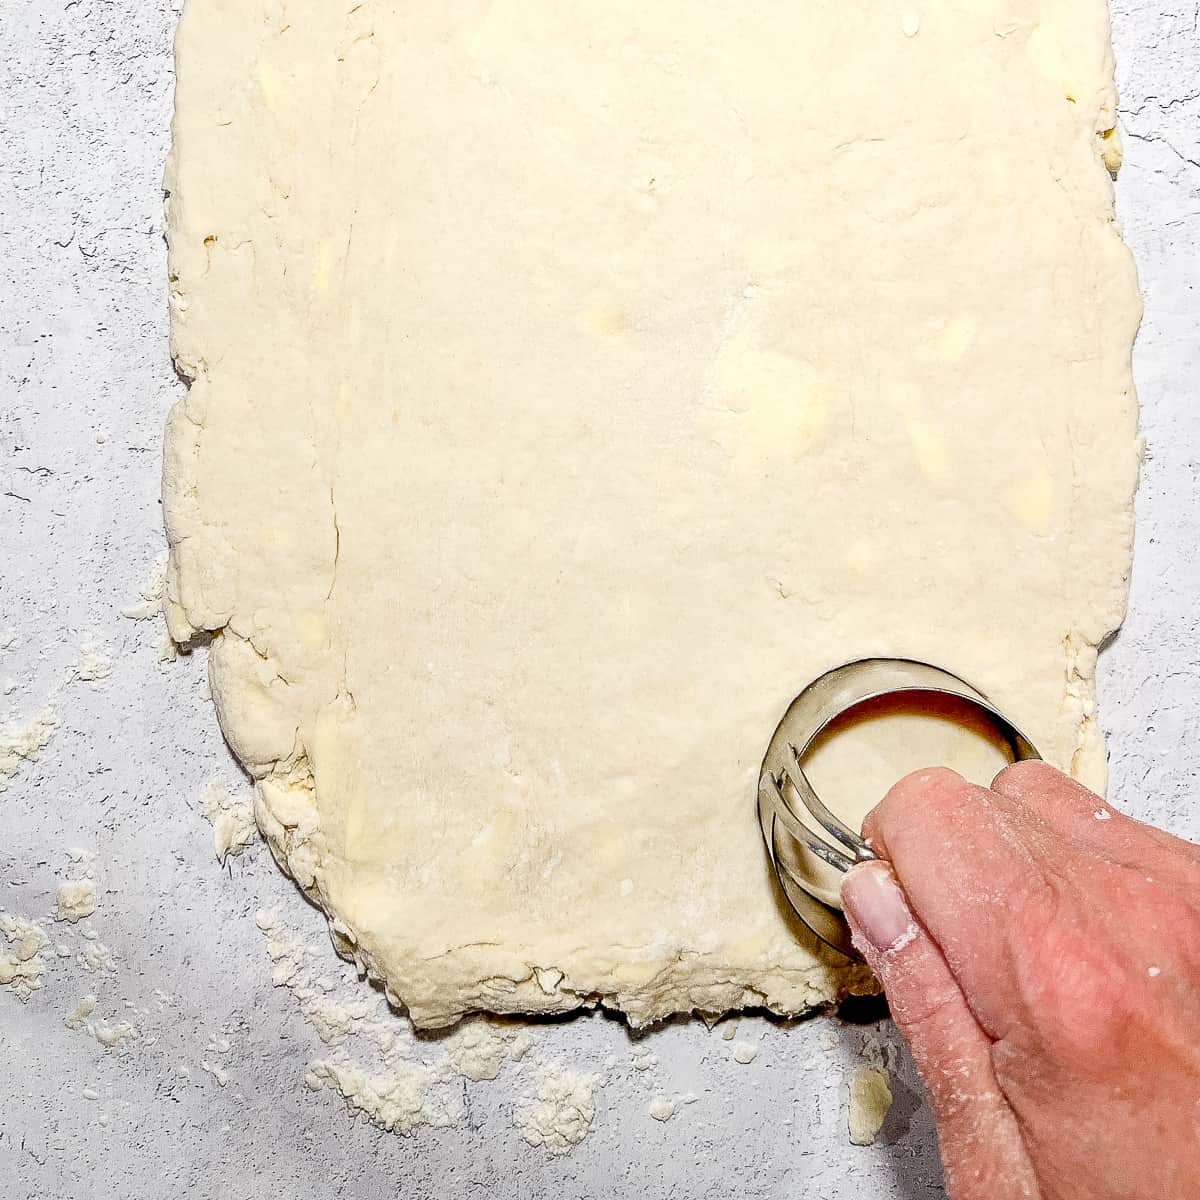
[[1041, 954]]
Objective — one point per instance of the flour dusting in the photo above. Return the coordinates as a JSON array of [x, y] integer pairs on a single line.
[[398, 1100], [232, 820], [286, 952], [97, 958], [22, 965], [77, 1017], [375, 1061], [153, 593], [114, 1036], [477, 1049], [560, 1114], [21, 744], [94, 664]]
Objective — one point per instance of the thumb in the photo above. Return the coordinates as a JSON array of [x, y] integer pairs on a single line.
[[983, 1152]]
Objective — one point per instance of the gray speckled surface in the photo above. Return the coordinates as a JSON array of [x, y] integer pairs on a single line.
[[85, 382]]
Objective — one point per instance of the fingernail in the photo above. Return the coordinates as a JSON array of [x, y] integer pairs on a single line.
[[876, 905]]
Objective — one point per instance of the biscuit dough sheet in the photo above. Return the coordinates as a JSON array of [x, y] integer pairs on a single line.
[[571, 384]]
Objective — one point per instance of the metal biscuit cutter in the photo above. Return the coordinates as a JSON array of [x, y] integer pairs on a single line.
[[783, 783]]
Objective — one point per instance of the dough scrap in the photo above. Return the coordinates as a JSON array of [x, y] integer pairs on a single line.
[[572, 384], [77, 1017], [744, 1053], [75, 900], [870, 1103]]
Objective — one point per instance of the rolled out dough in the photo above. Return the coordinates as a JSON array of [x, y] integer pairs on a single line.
[[573, 383]]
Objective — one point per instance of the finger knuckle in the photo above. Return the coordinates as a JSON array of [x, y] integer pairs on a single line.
[[920, 792], [1074, 990], [1027, 775]]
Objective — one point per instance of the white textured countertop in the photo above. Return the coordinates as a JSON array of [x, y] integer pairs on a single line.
[[206, 1096]]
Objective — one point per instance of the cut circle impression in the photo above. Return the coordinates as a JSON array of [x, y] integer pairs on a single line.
[[860, 754]]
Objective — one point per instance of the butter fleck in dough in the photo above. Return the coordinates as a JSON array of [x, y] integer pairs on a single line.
[[570, 386]]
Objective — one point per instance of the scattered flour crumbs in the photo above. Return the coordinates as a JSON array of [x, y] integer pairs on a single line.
[[643, 1059], [25, 943], [21, 744], [112, 1036], [399, 1081], [152, 604], [232, 820], [97, 958], [94, 664], [77, 1017], [21, 964], [663, 1108], [152, 593], [560, 1113], [75, 900]]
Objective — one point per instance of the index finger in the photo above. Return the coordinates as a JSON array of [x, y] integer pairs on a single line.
[[972, 881]]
